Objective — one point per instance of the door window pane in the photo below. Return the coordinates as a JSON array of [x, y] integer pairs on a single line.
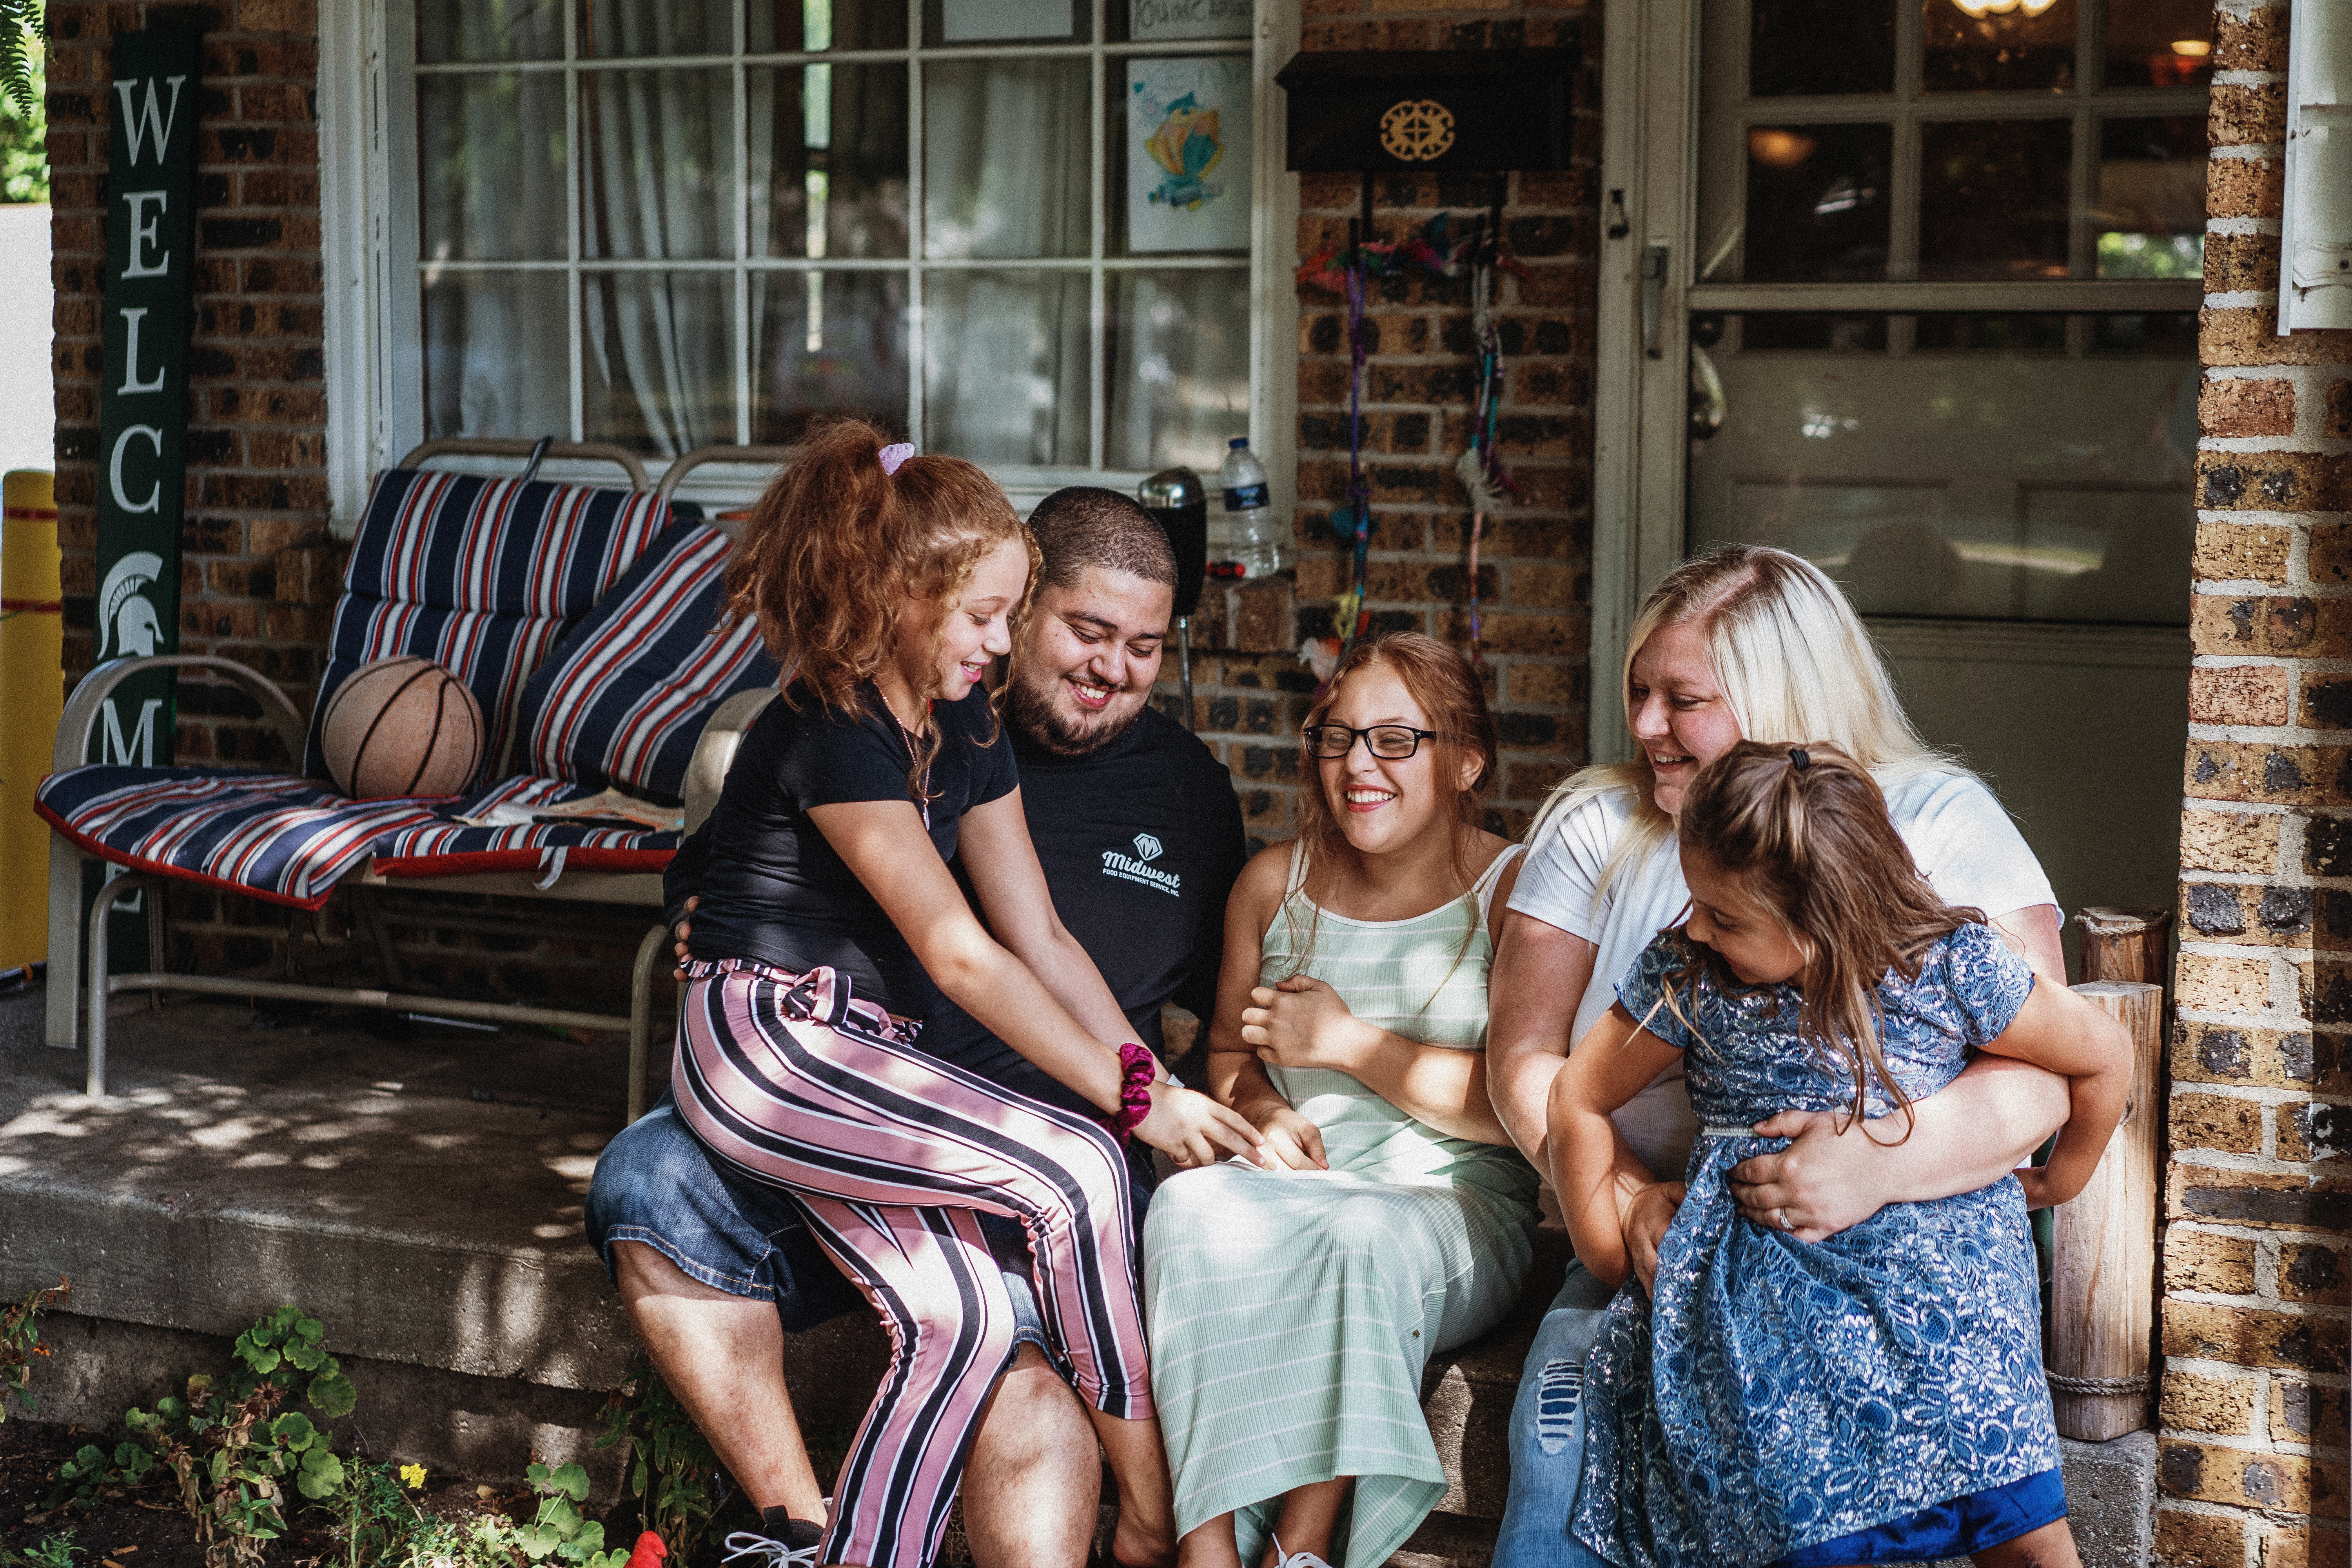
[[2029, 45], [1817, 202], [828, 160], [2160, 43], [1819, 46], [2002, 485], [492, 148], [495, 360], [1958, 333], [826, 343], [659, 154], [485, 30], [1176, 343], [658, 359], [1006, 144], [1992, 197], [627, 29], [1809, 331], [1005, 21], [1005, 377], [2149, 219]]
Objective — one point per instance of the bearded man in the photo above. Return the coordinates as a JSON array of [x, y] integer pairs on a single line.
[[1139, 834]]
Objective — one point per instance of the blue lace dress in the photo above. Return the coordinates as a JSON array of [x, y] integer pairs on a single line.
[[1777, 1394]]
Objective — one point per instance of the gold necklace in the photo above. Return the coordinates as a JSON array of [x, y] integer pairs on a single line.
[[923, 781]]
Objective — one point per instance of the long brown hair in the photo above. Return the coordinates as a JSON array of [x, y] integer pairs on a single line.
[[836, 546], [1446, 689], [1814, 845]]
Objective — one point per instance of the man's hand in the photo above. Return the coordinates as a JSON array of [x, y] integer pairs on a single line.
[[679, 934], [1303, 1023], [1646, 1218], [1195, 1130], [1819, 1184], [1291, 1139]]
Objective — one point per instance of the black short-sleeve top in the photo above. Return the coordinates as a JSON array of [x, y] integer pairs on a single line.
[[773, 889]]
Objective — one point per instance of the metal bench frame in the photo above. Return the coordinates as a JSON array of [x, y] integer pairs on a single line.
[[80, 988]]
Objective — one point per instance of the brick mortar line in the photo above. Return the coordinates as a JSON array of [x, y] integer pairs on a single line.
[[2195, 1158]]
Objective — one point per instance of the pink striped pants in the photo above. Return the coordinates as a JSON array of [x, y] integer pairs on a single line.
[[894, 1155]]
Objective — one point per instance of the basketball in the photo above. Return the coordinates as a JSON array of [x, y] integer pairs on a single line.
[[401, 726]]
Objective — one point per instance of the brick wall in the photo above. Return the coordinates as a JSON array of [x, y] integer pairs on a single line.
[[1251, 691], [2255, 1268]]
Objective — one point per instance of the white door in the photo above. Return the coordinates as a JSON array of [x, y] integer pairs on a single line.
[[1909, 286]]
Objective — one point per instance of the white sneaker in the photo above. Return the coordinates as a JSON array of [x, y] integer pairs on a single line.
[[766, 1551], [1296, 1559]]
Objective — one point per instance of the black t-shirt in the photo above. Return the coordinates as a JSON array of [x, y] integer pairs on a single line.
[[773, 889], [1141, 843]]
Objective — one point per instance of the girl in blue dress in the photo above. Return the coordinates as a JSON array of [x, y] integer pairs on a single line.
[[1877, 1396]]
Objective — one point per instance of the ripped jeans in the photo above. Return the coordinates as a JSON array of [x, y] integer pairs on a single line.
[[1547, 1433]]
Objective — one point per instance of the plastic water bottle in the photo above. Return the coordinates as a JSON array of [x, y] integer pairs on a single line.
[[1258, 542]]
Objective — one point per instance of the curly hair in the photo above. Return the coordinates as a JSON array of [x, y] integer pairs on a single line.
[[1814, 845], [835, 547]]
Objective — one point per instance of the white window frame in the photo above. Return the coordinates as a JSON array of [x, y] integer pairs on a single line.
[[368, 227]]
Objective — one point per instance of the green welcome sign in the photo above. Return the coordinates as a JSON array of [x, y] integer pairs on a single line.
[[142, 404]]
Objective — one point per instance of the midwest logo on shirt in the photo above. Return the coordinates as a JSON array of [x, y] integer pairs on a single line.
[[1135, 867]]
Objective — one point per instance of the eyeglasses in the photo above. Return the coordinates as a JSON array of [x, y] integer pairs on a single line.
[[1392, 742]]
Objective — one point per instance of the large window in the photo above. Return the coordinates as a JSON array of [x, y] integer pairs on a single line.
[[1019, 229]]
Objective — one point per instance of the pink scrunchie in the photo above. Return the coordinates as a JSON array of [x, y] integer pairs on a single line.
[[1136, 1071], [895, 453]]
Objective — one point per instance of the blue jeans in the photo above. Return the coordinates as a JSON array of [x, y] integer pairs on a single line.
[[1547, 1433], [654, 1184]]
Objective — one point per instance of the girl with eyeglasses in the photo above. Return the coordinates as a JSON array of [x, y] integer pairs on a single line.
[[1292, 1310]]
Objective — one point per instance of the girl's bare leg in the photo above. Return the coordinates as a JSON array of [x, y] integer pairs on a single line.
[[1309, 1518], [2052, 1546], [1146, 1537], [1209, 1546]]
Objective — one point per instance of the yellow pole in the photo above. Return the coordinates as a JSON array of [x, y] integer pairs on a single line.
[[32, 700]]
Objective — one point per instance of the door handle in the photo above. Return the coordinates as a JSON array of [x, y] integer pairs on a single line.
[[1653, 287], [1708, 404]]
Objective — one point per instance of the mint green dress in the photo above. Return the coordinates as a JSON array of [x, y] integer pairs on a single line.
[[1291, 1312]]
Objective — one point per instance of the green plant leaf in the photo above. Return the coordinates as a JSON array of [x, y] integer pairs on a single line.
[[331, 1395], [294, 1430], [322, 1474], [571, 1480]]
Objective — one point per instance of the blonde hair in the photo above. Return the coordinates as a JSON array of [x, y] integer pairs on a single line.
[[1795, 663]]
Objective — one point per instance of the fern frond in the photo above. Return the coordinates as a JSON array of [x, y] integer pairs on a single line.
[[21, 22]]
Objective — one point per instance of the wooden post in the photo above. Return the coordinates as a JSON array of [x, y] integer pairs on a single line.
[[2124, 945], [2104, 1279]]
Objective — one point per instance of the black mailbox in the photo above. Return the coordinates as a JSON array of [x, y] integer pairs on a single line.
[[1429, 108]]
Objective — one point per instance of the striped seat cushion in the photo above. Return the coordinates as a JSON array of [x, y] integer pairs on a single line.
[[283, 840], [445, 847], [482, 576], [622, 698]]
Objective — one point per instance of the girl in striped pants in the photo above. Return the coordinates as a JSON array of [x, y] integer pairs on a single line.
[[827, 927]]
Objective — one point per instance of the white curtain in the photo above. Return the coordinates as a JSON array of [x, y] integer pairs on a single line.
[[1007, 371]]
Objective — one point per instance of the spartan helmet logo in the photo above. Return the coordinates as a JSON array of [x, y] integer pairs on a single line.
[[128, 624], [1148, 848]]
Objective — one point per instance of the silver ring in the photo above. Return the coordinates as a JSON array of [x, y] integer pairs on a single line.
[[1780, 1218]]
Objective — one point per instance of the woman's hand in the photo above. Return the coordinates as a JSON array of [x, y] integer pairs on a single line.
[[1290, 1139], [1646, 1220], [1303, 1023], [1822, 1183], [1195, 1130], [679, 934]]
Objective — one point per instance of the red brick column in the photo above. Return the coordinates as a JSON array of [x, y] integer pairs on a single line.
[[2251, 1420]]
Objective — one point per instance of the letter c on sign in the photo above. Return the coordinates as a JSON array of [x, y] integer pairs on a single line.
[[154, 501]]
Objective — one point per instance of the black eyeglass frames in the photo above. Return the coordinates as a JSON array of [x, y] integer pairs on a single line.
[[1391, 742]]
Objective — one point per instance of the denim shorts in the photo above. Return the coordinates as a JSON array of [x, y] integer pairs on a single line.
[[654, 1184]]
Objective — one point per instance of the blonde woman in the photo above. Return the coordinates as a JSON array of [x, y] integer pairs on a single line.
[[1743, 642], [1292, 1308]]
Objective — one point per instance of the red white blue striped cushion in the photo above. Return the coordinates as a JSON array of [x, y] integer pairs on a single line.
[[444, 846], [624, 698], [480, 576], [283, 840]]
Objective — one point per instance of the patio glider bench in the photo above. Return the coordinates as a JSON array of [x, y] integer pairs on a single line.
[[581, 619]]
